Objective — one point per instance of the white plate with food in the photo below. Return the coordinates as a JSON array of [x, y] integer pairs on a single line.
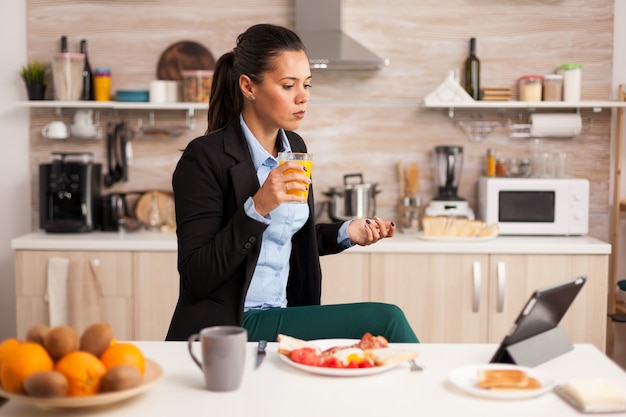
[[502, 381], [321, 370], [454, 239], [386, 357], [153, 373]]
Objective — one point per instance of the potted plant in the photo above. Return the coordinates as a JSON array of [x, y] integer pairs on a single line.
[[34, 75]]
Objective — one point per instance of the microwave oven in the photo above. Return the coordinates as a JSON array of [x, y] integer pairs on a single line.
[[535, 206]]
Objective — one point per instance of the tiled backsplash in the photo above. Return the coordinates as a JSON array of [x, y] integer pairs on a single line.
[[356, 121]]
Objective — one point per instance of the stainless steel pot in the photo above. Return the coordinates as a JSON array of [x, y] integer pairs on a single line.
[[353, 200]]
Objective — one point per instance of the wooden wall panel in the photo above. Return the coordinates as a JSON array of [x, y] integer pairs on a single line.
[[356, 121]]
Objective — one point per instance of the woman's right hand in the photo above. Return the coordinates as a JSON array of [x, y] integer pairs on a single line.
[[273, 192]]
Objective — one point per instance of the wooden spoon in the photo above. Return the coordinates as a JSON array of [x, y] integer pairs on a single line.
[[401, 179], [412, 179]]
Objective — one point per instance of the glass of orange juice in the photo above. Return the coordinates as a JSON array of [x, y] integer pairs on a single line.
[[305, 159]]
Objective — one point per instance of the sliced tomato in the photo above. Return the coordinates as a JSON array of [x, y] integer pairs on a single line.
[[303, 355]]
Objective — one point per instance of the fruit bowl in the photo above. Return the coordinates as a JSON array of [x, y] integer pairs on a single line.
[[153, 373]]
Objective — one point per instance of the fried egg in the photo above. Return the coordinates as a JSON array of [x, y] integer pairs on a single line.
[[345, 356]]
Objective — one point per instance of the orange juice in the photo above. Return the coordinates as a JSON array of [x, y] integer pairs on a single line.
[[304, 159]]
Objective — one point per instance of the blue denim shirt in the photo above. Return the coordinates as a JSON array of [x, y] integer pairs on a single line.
[[269, 282]]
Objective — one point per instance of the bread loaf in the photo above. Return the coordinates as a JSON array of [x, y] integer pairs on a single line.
[[448, 226]]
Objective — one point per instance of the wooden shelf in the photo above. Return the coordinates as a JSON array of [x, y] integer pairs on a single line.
[[596, 105], [113, 105]]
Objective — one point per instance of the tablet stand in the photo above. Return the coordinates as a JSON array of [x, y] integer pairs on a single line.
[[536, 349]]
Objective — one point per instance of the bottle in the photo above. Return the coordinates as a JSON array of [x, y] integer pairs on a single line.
[[491, 163], [63, 44], [88, 90], [472, 72]]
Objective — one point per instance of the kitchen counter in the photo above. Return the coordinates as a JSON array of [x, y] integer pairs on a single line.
[[401, 243]]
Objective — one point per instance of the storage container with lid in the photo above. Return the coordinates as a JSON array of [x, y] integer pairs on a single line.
[[572, 77], [529, 87], [553, 87], [197, 85]]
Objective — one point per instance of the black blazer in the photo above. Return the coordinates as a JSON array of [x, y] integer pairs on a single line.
[[218, 244]]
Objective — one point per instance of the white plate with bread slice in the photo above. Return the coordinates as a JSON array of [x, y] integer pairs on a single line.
[[457, 229], [454, 239], [502, 381]]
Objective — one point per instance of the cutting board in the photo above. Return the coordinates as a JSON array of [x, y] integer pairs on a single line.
[[181, 56], [165, 204]]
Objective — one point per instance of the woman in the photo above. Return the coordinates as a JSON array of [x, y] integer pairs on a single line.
[[245, 256]]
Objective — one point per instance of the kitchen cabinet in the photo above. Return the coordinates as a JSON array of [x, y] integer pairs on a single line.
[[139, 289], [114, 276], [155, 276], [475, 298], [346, 278]]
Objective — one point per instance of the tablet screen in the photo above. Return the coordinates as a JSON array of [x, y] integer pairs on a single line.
[[543, 311]]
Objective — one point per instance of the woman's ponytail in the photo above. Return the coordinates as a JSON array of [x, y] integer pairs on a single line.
[[226, 100]]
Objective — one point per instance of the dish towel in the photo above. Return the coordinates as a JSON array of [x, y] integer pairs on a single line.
[[85, 295], [56, 290]]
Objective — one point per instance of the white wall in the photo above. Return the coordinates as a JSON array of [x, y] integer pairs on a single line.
[[14, 171]]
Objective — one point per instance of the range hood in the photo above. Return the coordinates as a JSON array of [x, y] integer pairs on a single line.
[[318, 23]]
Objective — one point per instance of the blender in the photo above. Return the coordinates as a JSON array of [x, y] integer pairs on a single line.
[[448, 163]]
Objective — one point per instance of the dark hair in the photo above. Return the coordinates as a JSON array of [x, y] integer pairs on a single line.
[[253, 56]]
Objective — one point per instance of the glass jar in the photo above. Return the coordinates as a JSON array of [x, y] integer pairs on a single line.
[[102, 84], [530, 87], [553, 87], [197, 85]]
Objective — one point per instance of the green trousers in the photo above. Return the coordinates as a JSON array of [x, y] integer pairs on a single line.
[[332, 321]]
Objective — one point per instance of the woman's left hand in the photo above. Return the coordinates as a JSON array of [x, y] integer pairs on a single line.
[[364, 232]]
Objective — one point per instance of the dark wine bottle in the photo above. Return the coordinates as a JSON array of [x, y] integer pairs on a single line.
[[63, 43], [472, 72], [88, 90]]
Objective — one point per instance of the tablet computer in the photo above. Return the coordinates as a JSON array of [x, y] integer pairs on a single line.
[[540, 316]]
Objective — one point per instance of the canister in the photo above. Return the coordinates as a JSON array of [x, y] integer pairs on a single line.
[[102, 84], [553, 87], [197, 85], [572, 76], [67, 75], [530, 87]]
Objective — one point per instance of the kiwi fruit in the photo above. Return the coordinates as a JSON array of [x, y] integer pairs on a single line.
[[96, 338], [46, 384], [60, 341], [119, 378], [37, 333]]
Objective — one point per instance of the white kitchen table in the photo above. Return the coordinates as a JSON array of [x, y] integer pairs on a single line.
[[278, 389]]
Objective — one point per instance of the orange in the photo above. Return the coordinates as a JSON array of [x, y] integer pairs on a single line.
[[83, 371], [7, 346], [123, 354], [19, 362]]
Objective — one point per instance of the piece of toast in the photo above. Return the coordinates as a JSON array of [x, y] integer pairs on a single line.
[[288, 343], [387, 355], [506, 379]]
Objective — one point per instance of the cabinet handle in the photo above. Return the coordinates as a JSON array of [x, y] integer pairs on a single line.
[[477, 280], [501, 285]]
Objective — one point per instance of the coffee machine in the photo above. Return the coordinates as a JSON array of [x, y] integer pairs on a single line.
[[448, 164], [69, 193]]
